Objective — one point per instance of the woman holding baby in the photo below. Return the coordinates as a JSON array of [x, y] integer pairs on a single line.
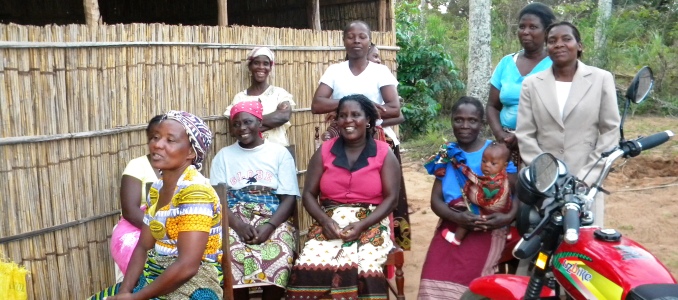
[[450, 266]]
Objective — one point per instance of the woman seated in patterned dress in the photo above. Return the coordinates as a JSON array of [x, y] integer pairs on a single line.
[[357, 180], [178, 253], [262, 180]]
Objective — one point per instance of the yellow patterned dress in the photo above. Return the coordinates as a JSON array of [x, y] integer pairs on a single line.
[[194, 207]]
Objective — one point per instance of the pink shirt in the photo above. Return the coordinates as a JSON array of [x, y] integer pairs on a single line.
[[361, 183]]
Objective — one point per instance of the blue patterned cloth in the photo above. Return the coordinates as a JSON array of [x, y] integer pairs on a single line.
[[254, 194]]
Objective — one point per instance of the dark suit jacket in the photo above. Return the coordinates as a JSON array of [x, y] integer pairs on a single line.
[[589, 126]]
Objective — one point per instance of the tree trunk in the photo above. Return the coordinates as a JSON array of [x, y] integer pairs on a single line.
[[222, 12], [92, 14], [600, 36], [480, 52], [313, 9]]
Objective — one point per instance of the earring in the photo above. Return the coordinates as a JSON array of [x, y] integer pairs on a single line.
[[368, 125]]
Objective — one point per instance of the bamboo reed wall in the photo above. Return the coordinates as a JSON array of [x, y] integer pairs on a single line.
[[99, 99]]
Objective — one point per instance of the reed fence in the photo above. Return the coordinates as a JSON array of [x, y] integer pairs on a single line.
[[74, 101]]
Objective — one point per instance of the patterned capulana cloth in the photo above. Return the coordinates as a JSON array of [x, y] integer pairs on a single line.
[[334, 269], [194, 206], [199, 134], [254, 194], [205, 285], [484, 194], [270, 261]]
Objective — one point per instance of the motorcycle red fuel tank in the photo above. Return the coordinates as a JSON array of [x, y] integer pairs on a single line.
[[505, 287], [596, 269]]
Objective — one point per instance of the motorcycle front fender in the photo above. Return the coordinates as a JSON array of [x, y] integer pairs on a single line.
[[504, 286]]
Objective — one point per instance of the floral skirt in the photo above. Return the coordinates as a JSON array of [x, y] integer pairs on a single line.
[[268, 262], [334, 269]]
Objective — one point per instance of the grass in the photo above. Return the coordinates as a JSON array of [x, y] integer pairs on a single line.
[[646, 125], [423, 146]]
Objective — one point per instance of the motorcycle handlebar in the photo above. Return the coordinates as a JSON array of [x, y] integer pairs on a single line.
[[571, 222], [634, 147], [527, 248]]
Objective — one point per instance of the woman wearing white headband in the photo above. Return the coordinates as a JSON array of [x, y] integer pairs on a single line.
[[277, 101]]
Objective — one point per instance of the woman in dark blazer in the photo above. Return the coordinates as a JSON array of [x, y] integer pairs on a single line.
[[569, 110]]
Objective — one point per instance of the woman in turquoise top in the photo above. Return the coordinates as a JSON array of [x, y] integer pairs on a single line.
[[507, 79]]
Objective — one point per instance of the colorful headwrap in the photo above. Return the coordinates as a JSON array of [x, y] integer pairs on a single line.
[[198, 133], [252, 107], [258, 51]]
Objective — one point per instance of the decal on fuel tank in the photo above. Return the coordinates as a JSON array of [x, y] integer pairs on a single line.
[[629, 252]]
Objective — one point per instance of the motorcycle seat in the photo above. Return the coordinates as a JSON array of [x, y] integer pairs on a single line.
[[654, 292]]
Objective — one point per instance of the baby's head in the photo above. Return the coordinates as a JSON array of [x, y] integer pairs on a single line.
[[495, 159]]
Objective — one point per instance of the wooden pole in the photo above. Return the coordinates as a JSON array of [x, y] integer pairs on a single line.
[[223, 13], [383, 12], [391, 14], [314, 14], [92, 14]]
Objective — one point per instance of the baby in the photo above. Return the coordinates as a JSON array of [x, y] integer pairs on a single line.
[[488, 193]]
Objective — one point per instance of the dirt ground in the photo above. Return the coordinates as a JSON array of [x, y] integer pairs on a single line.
[[642, 205]]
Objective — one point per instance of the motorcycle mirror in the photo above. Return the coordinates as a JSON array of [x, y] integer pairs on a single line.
[[640, 85], [544, 171]]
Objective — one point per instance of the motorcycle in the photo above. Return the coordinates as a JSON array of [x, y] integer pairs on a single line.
[[587, 262]]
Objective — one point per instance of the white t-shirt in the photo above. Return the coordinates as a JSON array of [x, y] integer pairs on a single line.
[[368, 83], [562, 92], [269, 165], [270, 99]]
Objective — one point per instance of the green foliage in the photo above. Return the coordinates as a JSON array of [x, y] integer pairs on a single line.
[[426, 72], [639, 33], [427, 144]]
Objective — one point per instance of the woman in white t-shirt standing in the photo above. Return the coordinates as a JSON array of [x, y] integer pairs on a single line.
[[359, 75]]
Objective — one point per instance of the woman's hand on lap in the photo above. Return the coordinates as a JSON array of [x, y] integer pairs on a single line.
[[264, 232], [246, 232], [331, 230], [352, 232]]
